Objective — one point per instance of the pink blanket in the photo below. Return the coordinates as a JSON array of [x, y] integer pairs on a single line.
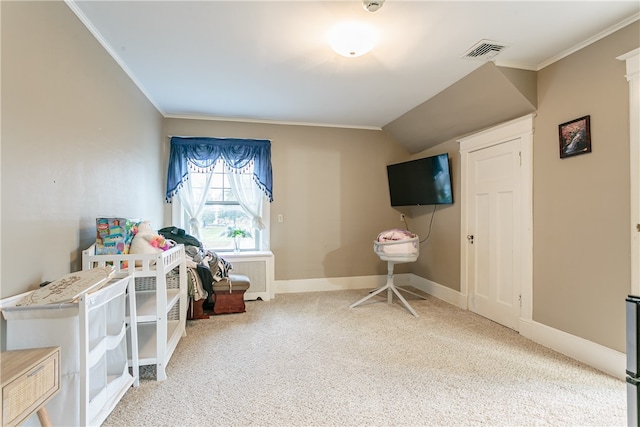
[[396, 242], [395, 234]]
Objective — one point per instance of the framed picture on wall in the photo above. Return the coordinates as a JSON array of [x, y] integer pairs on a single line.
[[575, 137]]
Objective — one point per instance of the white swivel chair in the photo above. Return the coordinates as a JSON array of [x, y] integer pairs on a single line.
[[395, 252]]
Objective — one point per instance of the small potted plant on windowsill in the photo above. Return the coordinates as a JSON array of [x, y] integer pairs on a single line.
[[236, 234]]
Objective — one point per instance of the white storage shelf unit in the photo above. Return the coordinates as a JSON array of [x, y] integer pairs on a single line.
[[258, 267], [161, 300], [92, 336]]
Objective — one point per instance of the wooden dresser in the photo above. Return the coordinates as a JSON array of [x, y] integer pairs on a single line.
[[29, 379]]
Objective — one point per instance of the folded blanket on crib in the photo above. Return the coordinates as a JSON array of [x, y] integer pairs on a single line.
[[395, 234], [395, 242]]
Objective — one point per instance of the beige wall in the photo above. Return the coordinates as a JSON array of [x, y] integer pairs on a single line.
[[331, 187], [439, 259], [581, 269], [79, 140]]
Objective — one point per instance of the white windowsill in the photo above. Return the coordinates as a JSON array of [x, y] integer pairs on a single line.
[[245, 254]]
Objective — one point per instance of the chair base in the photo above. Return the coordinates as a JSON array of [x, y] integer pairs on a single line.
[[391, 289]]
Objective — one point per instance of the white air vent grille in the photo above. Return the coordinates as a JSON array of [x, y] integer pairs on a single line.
[[484, 50]]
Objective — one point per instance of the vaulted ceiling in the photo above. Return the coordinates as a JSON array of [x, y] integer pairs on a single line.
[[270, 60]]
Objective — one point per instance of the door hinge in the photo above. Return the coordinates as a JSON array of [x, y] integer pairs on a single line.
[[520, 157], [520, 300], [638, 228]]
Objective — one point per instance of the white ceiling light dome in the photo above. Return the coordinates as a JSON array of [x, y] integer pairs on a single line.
[[352, 39]]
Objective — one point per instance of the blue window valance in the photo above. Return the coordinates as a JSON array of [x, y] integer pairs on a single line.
[[201, 154]]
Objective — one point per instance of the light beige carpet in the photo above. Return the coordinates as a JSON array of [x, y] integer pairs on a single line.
[[310, 360]]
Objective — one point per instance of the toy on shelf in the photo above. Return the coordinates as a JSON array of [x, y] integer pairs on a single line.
[[114, 235], [148, 241]]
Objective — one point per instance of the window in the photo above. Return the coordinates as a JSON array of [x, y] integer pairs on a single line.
[[222, 213], [223, 184]]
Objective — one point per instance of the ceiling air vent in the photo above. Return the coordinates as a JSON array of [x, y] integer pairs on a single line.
[[484, 50]]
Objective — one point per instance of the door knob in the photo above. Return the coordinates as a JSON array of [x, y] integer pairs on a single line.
[[470, 238]]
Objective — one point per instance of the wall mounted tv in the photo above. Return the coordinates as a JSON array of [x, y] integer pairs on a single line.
[[425, 181]]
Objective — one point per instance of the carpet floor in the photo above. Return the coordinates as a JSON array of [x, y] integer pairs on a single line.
[[309, 360]]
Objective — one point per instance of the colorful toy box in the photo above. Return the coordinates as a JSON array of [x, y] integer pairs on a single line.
[[114, 235]]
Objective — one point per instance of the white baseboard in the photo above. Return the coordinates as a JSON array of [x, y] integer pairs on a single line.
[[329, 284], [439, 291], [595, 355]]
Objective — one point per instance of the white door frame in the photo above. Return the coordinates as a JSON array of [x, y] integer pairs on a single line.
[[519, 128], [633, 77]]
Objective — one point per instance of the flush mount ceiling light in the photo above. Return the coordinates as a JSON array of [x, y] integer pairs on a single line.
[[352, 39]]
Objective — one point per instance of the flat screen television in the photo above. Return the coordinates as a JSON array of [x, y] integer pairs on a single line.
[[425, 181]]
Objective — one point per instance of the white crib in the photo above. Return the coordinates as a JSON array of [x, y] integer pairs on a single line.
[[395, 252]]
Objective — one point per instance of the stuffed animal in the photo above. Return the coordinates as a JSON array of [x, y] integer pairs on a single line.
[[148, 241], [160, 243]]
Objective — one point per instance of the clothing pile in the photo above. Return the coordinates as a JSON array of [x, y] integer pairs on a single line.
[[204, 267]]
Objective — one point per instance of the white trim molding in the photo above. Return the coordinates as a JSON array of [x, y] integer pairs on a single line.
[[633, 77], [439, 291], [595, 355], [94, 31], [323, 284], [633, 18]]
